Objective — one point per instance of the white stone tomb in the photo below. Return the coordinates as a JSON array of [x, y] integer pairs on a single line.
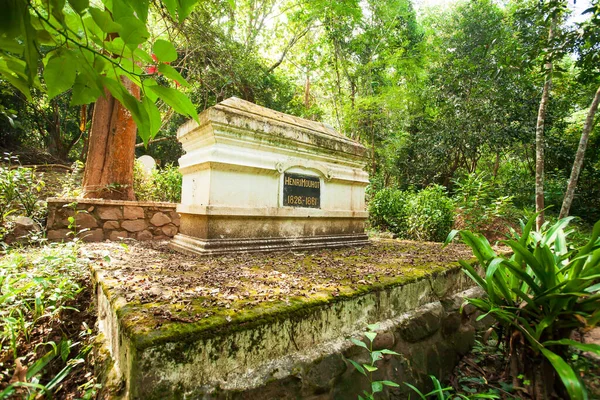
[[255, 179]]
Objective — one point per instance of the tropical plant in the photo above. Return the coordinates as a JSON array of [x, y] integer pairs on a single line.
[[368, 368], [539, 295], [447, 393]]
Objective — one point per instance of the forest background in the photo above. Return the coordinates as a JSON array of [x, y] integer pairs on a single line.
[[442, 96]]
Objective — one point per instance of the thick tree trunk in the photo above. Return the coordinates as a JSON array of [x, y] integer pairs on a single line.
[[578, 163], [111, 149], [539, 137]]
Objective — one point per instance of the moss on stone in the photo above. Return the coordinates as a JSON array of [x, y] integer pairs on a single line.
[[151, 323]]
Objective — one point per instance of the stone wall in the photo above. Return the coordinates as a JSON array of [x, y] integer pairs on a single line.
[[430, 340], [97, 220]]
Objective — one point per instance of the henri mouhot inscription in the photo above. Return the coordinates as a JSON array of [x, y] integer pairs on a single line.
[[255, 179], [301, 191]]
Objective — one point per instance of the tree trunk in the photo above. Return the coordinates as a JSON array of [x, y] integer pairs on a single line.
[[539, 136], [578, 163], [111, 149]]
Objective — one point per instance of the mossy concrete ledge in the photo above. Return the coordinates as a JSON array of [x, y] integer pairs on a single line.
[[291, 348]]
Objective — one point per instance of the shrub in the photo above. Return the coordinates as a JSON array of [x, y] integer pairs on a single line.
[[161, 185], [19, 191], [430, 214], [425, 215], [479, 205], [538, 296], [388, 210]]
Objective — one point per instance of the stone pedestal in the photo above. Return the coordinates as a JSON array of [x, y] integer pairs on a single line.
[[256, 180]]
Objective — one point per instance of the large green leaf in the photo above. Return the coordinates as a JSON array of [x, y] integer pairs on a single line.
[[104, 20], [480, 246], [568, 377], [591, 347], [154, 119], [84, 91], [31, 52], [59, 73], [133, 32], [79, 5], [164, 51], [172, 74], [176, 100]]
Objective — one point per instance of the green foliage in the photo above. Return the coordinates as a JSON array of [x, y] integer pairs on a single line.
[[19, 192], [424, 215], [542, 292], [88, 48], [160, 185], [447, 393], [37, 288], [368, 368], [478, 205]]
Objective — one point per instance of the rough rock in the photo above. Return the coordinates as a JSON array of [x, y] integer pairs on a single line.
[[24, 226], [169, 230], [111, 225], [322, 374], [423, 325], [84, 220], [132, 212], [117, 235], [95, 235], [160, 219], [384, 340], [110, 213], [58, 234], [144, 235], [135, 225]]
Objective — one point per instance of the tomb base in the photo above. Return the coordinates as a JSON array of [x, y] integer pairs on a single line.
[[192, 245], [218, 230]]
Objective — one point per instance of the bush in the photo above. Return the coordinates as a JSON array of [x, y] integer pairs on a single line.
[[480, 206], [425, 215], [431, 214], [19, 191], [161, 185], [539, 295]]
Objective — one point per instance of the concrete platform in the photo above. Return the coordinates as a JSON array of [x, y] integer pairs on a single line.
[[277, 325]]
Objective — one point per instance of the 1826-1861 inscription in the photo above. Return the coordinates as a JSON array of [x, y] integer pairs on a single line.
[[301, 191]]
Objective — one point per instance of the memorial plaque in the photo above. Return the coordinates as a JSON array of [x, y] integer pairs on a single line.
[[301, 191]]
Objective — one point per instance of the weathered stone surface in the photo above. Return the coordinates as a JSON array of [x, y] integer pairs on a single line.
[[23, 226], [117, 235], [423, 325], [111, 225], [85, 220], [169, 230], [175, 218], [323, 374], [95, 235], [160, 219], [135, 225], [58, 234], [384, 340], [464, 339], [451, 323], [131, 212], [110, 213], [144, 235]]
